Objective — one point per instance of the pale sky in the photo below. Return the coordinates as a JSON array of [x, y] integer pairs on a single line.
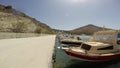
[[70, 14]]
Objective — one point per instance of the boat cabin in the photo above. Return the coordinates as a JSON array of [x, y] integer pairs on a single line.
[[103, 42]]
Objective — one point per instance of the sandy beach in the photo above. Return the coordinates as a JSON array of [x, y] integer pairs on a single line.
[[31, 52]]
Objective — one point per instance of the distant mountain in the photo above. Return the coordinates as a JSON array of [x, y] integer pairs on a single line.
[[88, 29], [12, 20]]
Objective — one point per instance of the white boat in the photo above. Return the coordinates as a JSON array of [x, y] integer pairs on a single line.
[[70, 41], [104, 46]]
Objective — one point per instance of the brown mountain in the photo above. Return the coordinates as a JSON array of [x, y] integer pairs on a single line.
[[12, 20], [88, 29]]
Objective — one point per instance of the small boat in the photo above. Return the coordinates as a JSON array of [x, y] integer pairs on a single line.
[[69, 41], [104, 46]]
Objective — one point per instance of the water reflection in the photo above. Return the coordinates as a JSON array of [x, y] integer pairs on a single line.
[[107, 64]]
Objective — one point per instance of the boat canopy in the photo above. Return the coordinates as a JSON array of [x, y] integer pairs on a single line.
[[110, 36]]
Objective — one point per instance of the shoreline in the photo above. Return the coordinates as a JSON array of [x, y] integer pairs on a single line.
[[7, 35]]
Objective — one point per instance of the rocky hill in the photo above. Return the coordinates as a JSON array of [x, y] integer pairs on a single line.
[[12, 20], [88, 29]]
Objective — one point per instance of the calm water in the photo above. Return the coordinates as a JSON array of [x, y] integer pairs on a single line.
[[64, 61]]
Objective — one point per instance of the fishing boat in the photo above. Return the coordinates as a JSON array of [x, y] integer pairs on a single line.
[[104, 46], [70, 41]]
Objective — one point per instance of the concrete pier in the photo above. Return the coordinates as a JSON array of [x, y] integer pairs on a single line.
[[31, 52]]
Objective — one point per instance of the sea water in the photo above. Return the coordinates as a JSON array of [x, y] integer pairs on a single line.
[[64, 61]]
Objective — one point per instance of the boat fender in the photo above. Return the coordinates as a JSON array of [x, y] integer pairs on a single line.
[[118, 42], [53, 59], [59, 47], [86, 52]]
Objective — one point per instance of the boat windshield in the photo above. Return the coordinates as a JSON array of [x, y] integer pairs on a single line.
[[107, 38]]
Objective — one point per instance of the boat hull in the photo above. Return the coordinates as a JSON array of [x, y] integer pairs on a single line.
[[92, 58]]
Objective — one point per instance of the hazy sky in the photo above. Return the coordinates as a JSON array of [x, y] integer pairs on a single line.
[[70, 14]]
